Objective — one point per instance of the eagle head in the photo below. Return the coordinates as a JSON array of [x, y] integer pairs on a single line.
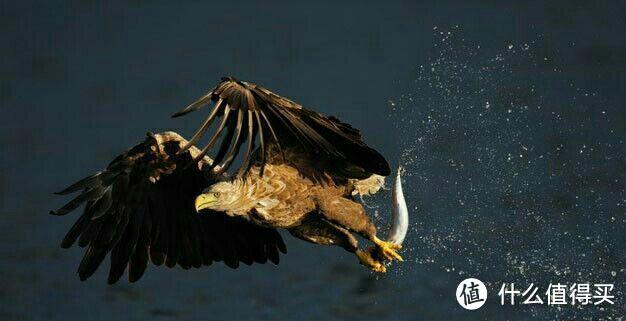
[[224, 197]]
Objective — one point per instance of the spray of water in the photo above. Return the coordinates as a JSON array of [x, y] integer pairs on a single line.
[[513, 171]]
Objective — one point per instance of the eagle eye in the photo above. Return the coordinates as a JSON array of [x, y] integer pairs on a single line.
[[216, 194]]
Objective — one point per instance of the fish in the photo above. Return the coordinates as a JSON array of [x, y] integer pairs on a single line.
[[400, 213]]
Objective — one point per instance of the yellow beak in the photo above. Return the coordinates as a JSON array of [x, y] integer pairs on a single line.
[[204, 201]]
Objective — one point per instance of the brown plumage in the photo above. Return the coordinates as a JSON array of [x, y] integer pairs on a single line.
[[298, 170]]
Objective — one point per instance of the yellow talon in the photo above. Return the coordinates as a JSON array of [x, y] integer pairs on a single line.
[[379, 267], [365, 258], [388, 250]]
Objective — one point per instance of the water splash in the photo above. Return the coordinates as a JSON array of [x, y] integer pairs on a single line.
[[516, 170]]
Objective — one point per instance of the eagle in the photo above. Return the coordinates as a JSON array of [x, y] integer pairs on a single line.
[[165, 201]]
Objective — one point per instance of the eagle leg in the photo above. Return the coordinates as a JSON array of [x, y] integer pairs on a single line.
[[318, 230], [352, 216]]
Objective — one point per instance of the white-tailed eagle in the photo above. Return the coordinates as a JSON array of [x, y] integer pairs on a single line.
[[166, 202]]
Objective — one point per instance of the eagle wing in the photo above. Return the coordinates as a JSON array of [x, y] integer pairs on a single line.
[[141, 208], [248, 111]]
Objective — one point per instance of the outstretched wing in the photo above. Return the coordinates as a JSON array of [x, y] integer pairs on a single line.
[[141, 208], [249, 111]]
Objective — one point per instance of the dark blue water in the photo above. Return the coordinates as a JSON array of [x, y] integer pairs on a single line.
[[509, 118]]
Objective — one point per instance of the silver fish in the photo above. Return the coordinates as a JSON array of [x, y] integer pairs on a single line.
[[400, 213]]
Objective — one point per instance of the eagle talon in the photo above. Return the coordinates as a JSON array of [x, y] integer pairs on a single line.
[[387, 250], [366, 259]]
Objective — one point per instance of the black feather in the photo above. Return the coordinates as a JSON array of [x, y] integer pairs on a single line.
[[78, 228], [87, 195], [226, 141], [84, 183], [215, 136], [203, 101], [203, 128], [91, 260], [102, 205]]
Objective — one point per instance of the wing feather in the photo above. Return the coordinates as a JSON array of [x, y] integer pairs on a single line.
[[226, 141], [215, 136], [140, 209], [321, 139]]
